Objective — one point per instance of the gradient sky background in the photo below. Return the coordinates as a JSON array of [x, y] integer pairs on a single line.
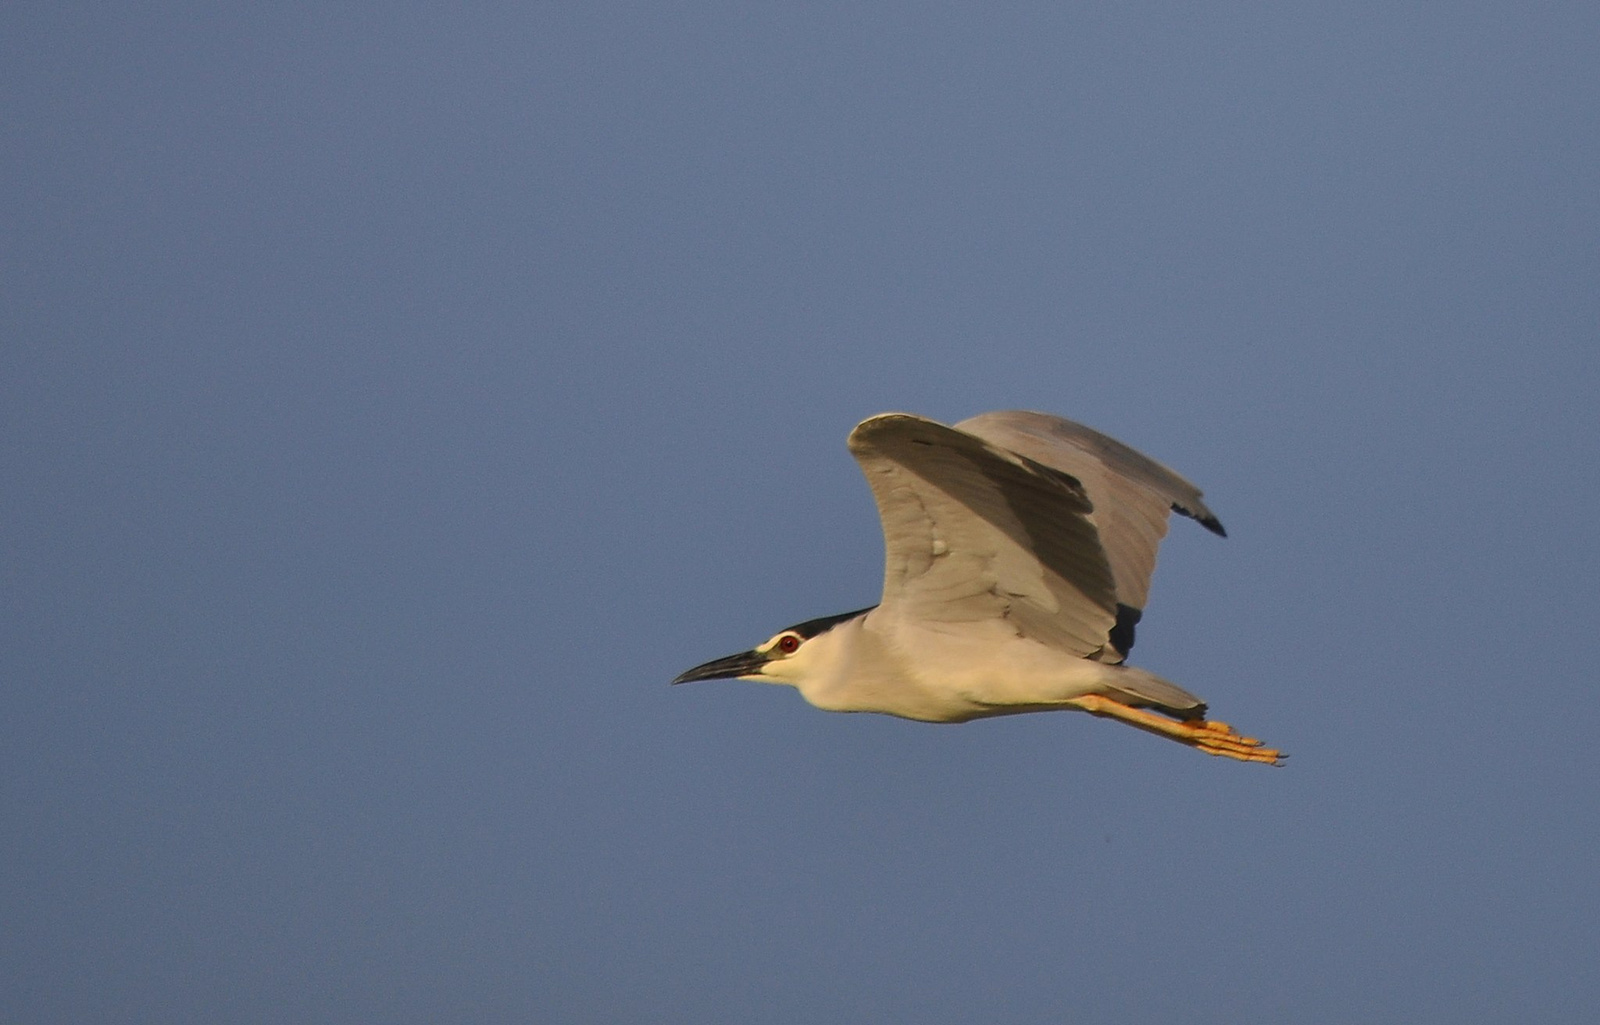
[[395, 397]]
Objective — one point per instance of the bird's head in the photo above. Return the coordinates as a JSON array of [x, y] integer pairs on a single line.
[[788, 656]]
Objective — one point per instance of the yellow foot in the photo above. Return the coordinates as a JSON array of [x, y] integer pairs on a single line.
[[1214, 738]]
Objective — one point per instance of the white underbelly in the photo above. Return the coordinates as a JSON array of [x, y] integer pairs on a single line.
[[934, 676]]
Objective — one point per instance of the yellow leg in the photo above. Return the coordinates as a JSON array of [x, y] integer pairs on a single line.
[[1214, 738]]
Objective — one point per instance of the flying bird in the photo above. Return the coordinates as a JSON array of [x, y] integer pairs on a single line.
[[1019, 548]]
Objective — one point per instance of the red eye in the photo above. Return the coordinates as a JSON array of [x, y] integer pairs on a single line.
[[788, 644]]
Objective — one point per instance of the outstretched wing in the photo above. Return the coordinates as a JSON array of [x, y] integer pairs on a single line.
[[973, 531], [1131, 492]]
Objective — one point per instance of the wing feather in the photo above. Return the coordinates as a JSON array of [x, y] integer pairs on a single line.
[[973, 531], [1131, 492]]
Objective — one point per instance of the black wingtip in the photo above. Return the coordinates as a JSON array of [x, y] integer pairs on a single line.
[[1206, 520]]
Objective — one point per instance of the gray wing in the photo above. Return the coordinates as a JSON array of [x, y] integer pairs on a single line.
[[972, 531], [1131, 492]]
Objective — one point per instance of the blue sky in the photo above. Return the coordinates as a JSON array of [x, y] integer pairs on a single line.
[[394, 398]]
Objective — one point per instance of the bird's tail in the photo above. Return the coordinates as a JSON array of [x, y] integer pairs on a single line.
[[1140, 689]]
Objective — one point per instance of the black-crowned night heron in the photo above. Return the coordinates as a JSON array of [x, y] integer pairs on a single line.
[[1019, 552]]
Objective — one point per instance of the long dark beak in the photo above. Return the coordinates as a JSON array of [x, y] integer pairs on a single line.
[[746, 663]]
